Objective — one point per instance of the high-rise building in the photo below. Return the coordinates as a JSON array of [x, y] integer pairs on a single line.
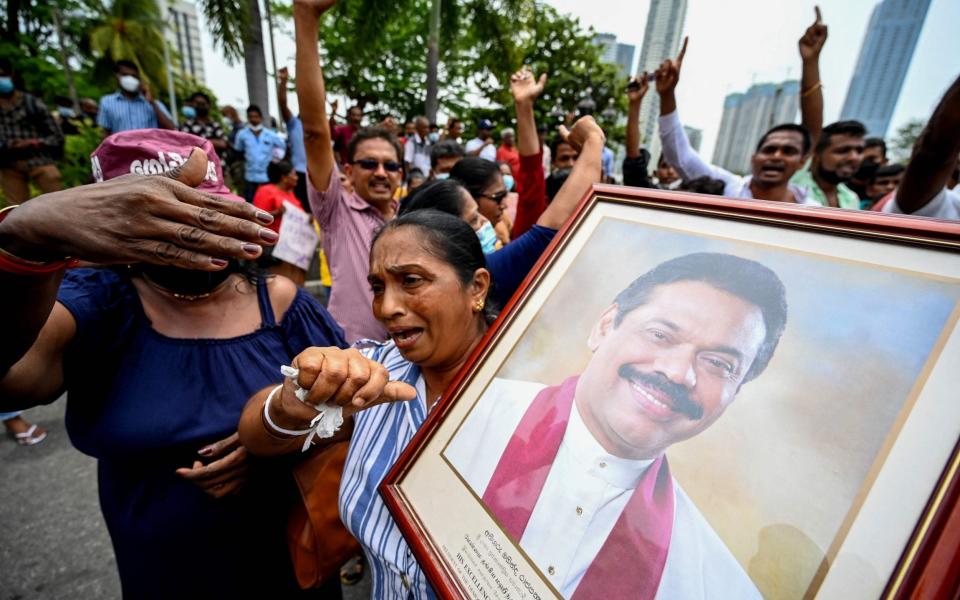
[[882, 65], [661, 40], [183, 34], [608, 46], [695, 136], [625, 54], [747, 116], [615, 53]]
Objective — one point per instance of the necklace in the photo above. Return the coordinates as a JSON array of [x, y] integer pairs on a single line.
[[177, 295]]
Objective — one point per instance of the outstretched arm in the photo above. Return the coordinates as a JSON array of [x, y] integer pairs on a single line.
[[934, 155], [676, 146], [531, 188], [587, 137], [311, 92], [811, 90], [525, 88], [636, 90], [283, 76]]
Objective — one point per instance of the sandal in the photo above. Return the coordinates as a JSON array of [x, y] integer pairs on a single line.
[[352, 572], [30, 437]]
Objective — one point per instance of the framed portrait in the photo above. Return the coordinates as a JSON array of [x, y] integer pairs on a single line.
[[697, 397]]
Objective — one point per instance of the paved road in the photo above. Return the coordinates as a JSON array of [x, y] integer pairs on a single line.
[[53, 542]]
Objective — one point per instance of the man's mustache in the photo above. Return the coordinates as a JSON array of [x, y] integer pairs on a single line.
[[680, 401]]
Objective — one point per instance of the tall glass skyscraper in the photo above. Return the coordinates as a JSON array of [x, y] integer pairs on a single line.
[[882, 66], [661, 40]]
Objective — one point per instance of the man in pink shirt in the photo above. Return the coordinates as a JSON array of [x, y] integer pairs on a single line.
[[348, 219]]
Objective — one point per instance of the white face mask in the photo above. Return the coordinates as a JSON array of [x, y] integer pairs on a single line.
[[256, 127], [129, 83]]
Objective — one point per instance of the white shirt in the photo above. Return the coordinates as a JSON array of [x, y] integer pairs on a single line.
[[678, 153], [417, 153], [698, 565], [489, 152], [945, 205]]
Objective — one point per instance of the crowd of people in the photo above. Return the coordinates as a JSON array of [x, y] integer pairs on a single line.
[[164, 266]]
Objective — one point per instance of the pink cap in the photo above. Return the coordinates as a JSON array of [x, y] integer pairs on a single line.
[[156, 151]]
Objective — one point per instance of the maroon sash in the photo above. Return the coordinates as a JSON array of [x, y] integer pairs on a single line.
[[630, 562]]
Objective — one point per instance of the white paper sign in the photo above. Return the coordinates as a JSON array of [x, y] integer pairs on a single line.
[[298, 240]]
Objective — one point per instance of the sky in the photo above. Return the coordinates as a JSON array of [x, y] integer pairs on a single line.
[[732, 44]]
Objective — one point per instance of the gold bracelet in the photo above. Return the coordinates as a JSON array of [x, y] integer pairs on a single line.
[[812, 89]]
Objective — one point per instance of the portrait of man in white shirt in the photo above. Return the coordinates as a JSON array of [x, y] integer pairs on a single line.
[[577, 473]]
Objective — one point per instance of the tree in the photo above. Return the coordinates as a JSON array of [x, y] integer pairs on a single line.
[[901, 146], [236, 27], [133, 30], [375, 52]]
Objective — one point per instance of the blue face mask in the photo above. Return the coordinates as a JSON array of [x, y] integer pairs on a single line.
[[488, 238], [66, 112], [434, 137], [441, 175], [6, 85], [508, 182], [189, 112]]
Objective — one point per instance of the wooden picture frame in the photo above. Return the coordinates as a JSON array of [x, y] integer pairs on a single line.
[[900, 470]]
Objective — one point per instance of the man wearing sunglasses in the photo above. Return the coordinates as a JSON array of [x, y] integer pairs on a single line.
[[348, 218]]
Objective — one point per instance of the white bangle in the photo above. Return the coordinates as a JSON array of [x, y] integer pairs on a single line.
[[329, 416], [274, 426]]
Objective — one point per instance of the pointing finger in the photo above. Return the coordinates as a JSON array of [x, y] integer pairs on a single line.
[[683, 50], [817, 10]]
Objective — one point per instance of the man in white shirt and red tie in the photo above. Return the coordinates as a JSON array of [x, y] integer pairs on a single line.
[[577, 473]]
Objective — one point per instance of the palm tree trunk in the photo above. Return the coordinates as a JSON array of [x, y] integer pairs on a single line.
[[433, 58], [255, 61]]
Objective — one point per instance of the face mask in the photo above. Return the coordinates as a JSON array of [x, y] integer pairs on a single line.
[[434, 137], [129, 83], [203, 111], [67, 113], [228, 121], [488, 238], [439, 176], [6, 85], [256, 127], [189, 112], [508, 182], [186, 281]]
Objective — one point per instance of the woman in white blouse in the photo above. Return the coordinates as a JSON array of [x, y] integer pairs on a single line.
[[430, 286]]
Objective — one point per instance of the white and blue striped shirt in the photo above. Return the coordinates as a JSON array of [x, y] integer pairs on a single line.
[[380, 435], [118, 113]]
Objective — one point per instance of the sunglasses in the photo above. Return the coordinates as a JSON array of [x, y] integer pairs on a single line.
[[496, 197], [371, 165]]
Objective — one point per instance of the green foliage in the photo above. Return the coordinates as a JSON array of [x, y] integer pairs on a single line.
[[375, 53], [901, 146], [132, 30], [75, 166]]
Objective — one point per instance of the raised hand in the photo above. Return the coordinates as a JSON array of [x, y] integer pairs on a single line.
[[524, 85], [668, 74], [637, 88], [145, 90], [283, 76], [157, 219], [318, 7], [584, 129], [813, 38]]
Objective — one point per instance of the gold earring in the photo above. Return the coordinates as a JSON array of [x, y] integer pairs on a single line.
[[478, 307]]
